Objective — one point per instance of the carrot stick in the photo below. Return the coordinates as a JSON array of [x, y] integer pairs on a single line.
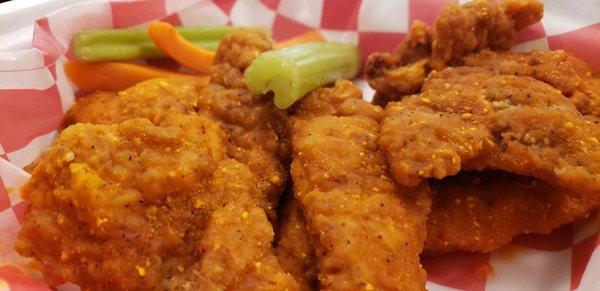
[[114, 76], [312, 35], [181, 50]]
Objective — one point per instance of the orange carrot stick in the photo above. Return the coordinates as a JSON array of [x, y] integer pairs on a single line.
[[181, 50], [312, 35], [114, 76]]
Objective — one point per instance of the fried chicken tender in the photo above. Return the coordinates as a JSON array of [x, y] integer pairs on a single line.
[[482, 211], [294, 249], [255, 128], [237, 243], [367, 231], [559, 69], [472, 211], [175, 182], [154, 99], [135, 206], [458, 31], [469, 118]]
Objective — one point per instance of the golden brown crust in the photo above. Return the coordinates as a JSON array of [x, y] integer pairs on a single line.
[[402, 71], [76, 203], [458, 31], [127, 206], [523, 12], [294, 249], [472, 211], [237, 252], [469, 118], [153, 99], [341, 99], [373, 235], [241, 47], [257, 134], [482, 211], [210, 163], [558, 69], [235, 53], [474, 26], [256, 129]]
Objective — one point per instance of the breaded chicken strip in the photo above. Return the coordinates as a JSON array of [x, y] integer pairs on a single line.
[[255, 128], [135, 206], [367, 231], [472, 211], [153, 99], [559, 69], [482, 211], [469, 118], [293, 248], [458, 31], [237, 251]]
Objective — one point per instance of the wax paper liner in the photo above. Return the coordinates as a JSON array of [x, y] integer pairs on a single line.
[[34, 94]]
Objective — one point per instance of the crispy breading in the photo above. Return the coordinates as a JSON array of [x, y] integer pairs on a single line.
[[235, 53], [560, 69], [341, 99], [132, 206], [367, 231], [469, 118], [237, 251], [482, 211], [472, 211], [402, 71], [293, 247], [207, 184], [153, 99], [256, 129], [458, 31]]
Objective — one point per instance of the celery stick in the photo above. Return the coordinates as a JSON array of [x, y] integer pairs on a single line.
[[294, 71], [135, 43], [129, 51]]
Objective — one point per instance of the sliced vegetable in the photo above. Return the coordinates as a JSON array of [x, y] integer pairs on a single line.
[[128, 44], [294, 71], [114, 76], [184, 52], [313, 35]]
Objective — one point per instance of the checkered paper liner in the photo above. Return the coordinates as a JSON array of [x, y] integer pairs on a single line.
[[34, 95]]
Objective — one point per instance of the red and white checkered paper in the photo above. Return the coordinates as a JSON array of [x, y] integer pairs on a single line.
[[34, 94]]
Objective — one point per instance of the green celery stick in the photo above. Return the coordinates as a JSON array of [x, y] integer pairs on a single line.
[[129, 51], [294, 71], [135, 43]]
